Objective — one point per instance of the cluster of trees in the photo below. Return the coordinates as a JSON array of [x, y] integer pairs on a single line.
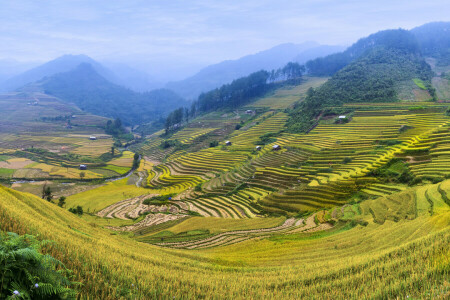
[[235, 94], [57, 118], [47, 194], [77, 210], [290, 72], [176, 118], [114, 128]]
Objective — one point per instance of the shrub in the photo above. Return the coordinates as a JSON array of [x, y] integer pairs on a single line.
[[346, 160], [267, 139], [214, 144], [238, 126], [78, 210], [25, 273], [158, 200], [437, 180]]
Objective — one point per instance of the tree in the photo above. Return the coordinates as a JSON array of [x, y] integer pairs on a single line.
[[82, 175], [47, 193], [62, 201], [79, 210], [112, 150]]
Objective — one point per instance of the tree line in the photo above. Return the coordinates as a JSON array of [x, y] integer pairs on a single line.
[[235, 94]]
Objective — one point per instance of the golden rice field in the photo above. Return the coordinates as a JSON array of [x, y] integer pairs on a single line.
[[406, 258]]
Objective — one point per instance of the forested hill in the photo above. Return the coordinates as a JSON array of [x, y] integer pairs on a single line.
[[93, 93], [434, 41], [388, 39], [377, 75]]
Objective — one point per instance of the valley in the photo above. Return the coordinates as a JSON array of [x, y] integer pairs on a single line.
[[330, 181]]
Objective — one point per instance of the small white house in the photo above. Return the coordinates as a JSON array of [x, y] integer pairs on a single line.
[[249, 111], [83, 167], [342, 117], [276, 147], [92, 138], [228, 143], [258, 148]]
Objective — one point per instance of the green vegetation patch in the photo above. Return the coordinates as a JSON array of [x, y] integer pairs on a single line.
[[159, 200], [420, 83], [117, 169], [6, 172]]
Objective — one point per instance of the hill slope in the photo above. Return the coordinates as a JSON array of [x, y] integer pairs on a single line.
[[382, 68], [375, 260], [93, 93]]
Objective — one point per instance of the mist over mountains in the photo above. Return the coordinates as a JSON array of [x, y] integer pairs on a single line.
[[224, 72]]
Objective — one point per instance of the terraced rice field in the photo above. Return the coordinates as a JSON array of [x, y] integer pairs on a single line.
[[400, 258], [312, 171]]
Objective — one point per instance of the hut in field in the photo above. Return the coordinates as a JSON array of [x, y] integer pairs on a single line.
[[228, 143], [83, 167], [276, 147], [92, 138], [258, 148], [249, 111], [342, 117]]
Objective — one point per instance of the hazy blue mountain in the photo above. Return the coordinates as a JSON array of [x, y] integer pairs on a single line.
[[132, 78], [218, 74], [61, 64], [91, 92], [12, 67], [315, 52]]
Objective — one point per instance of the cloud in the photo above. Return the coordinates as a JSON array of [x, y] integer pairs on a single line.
[[197, 31]]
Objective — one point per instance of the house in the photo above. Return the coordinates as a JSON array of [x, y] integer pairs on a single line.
[[249, 111], [83, 167], [92, 138], [276, 147], [342, 117], [258, 148], [228, 143]]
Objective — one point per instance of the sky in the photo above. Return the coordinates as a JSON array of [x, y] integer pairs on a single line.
[[167, 36]]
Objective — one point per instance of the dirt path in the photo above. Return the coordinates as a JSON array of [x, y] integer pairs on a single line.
[[232, 236]]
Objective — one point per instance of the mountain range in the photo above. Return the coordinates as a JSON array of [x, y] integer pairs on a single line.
[[224, 72]]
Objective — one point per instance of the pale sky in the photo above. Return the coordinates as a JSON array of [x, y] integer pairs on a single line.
[[178, 34]]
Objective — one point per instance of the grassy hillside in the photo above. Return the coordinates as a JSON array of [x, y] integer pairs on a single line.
[[376, 261]]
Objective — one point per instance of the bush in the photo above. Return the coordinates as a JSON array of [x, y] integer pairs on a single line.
[[267, 139], [346, 160], [169, 143], [437, 180], [158, 200], [214, 144], [25, 273], [78, 210], [238, 126]]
